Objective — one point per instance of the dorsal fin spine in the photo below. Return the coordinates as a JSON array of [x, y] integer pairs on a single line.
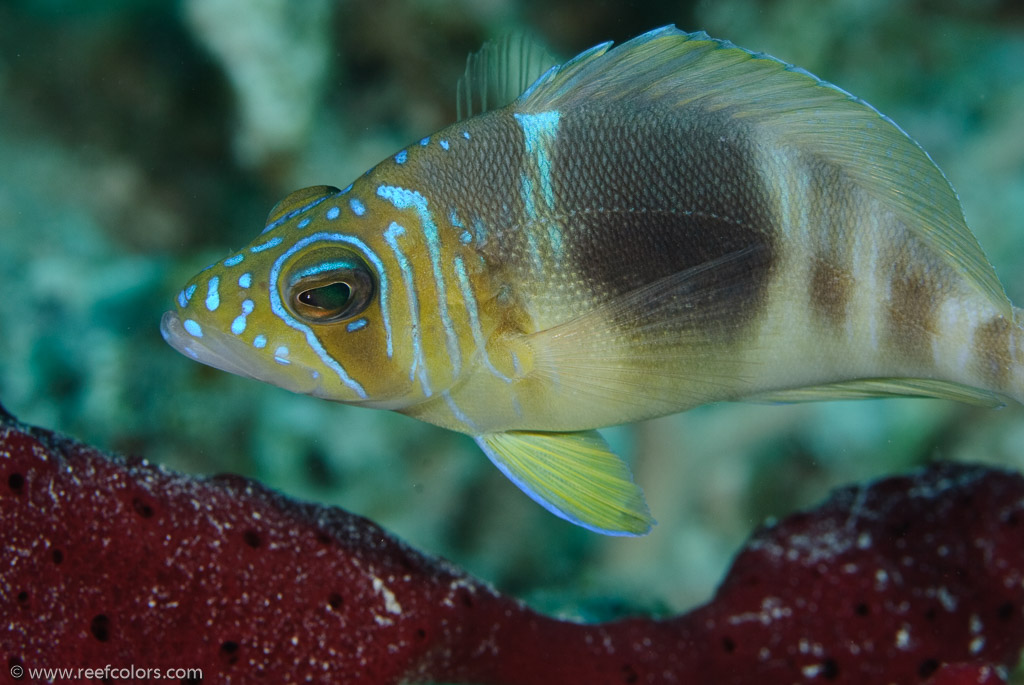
[[500, 71]]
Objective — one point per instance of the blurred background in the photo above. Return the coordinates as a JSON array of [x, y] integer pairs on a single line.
[[142, 140]]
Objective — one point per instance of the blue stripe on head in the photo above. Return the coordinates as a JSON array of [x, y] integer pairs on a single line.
[[319, 268], [333, 213], [474, 317], [357, 207], [294, 213], [403, 198], [314, 343], [370, 255], [273, 242], [391, 238], [232, 261]]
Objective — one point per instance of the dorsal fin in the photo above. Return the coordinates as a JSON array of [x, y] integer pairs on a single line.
[[784, 105], [500, 71]]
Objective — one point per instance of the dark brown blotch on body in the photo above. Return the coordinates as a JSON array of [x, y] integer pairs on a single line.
[[647, 194], [831, 290], [992, 352], [832, 207], [911, 311]]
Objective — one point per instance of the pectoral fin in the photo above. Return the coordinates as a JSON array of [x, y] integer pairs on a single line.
[[573, 475], [657, 349]]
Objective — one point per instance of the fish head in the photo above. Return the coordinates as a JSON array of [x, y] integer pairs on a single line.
[[302, 307]]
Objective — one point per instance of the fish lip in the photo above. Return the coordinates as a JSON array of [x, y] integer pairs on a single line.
[[221, 352], [174, 334]]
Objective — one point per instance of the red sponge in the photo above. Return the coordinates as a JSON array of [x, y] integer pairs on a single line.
[[115, 563]]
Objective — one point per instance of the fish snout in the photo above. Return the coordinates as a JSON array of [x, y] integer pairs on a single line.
[[208, 345]]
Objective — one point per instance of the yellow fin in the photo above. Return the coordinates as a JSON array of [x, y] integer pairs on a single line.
[[883, 387], [574, 476]]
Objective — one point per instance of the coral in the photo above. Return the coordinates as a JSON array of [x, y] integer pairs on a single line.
[[114, 561], [275, 54]]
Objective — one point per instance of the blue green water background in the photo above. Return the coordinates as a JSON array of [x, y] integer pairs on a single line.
[[141, 141]]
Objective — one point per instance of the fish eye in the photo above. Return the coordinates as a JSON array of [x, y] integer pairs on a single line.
[[329, 291], [299, 200]]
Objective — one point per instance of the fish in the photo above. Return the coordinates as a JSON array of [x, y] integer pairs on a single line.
[[643, 229]]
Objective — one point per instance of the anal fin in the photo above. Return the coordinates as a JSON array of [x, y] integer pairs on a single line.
[[574, 476], [869, 388]]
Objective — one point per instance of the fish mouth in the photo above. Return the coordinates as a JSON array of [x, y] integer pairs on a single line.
[[215, 349]]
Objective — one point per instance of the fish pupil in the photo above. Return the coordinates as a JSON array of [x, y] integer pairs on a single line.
[[329, 298]]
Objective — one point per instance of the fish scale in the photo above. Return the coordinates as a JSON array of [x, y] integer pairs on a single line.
[[646, 228]]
